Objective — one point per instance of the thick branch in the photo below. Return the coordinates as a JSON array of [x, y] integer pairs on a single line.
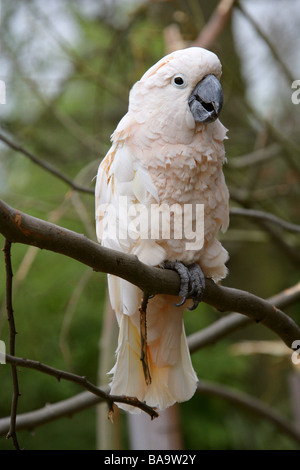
[[22, 228], [234, 321]]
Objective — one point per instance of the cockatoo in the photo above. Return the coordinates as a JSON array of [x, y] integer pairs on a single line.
[[166, 151]]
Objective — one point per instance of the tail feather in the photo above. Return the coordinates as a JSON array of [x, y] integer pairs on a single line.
[[173, 378]]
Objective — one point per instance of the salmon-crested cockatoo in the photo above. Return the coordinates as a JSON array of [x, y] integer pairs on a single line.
[[167, 151]]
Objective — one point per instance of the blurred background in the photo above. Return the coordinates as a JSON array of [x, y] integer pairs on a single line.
[[68, 67]]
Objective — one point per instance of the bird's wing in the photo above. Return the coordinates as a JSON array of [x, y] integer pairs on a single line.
[[124, 186]]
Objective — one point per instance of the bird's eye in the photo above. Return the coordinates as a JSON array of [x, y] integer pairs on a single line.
[[179, 81]]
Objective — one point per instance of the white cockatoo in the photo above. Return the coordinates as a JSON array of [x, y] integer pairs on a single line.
[[167, 151]]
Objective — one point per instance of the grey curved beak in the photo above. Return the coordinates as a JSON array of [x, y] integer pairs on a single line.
[[206, 100]]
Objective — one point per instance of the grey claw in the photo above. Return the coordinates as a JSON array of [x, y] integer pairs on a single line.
[[184, 275], [192, 282], [198, 283], [181, 303], [194, 306]]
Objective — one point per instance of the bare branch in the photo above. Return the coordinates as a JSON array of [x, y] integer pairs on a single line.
[[22, 228], [205, 337], [52, 412], [84, 400], [289, 250], [61, 374], [215, 24], [80, 63], [45, 165], [265, 216], [265, 38], [12, 335], [68, 316], [65, 120], [257, 156], [251, 404], [234, 321]]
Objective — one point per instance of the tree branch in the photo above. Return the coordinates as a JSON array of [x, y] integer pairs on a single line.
[[12, 335], [266, 217], [22, 228], [257, 156], [234, 321], [207, 336], [45, 165], [215, 25], [249, 403], [143, 334], [84, 400], [61, 374], [264, 37], [52, 412]]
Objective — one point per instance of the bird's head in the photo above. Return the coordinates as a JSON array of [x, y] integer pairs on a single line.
[[179, 91]]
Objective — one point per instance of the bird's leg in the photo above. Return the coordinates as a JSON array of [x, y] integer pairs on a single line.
[[192, 281], [143, 332]]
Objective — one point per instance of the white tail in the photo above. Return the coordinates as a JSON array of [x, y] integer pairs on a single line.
[[173, 378]]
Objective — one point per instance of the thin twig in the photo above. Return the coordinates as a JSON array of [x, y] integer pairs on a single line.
[[12, 335], [68, 316], [266, 216], [83, 382], [84, 400], [267, 41], [290, 251], [143, 332], [215, 25], [257, 156], [45, 165], [52, 412], [251, 404], [65, 120]]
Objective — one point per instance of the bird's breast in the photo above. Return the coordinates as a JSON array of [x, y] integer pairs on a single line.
[[185, 182], [189, 184]]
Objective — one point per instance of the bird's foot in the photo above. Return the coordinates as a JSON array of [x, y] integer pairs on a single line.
[[192, 282]]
